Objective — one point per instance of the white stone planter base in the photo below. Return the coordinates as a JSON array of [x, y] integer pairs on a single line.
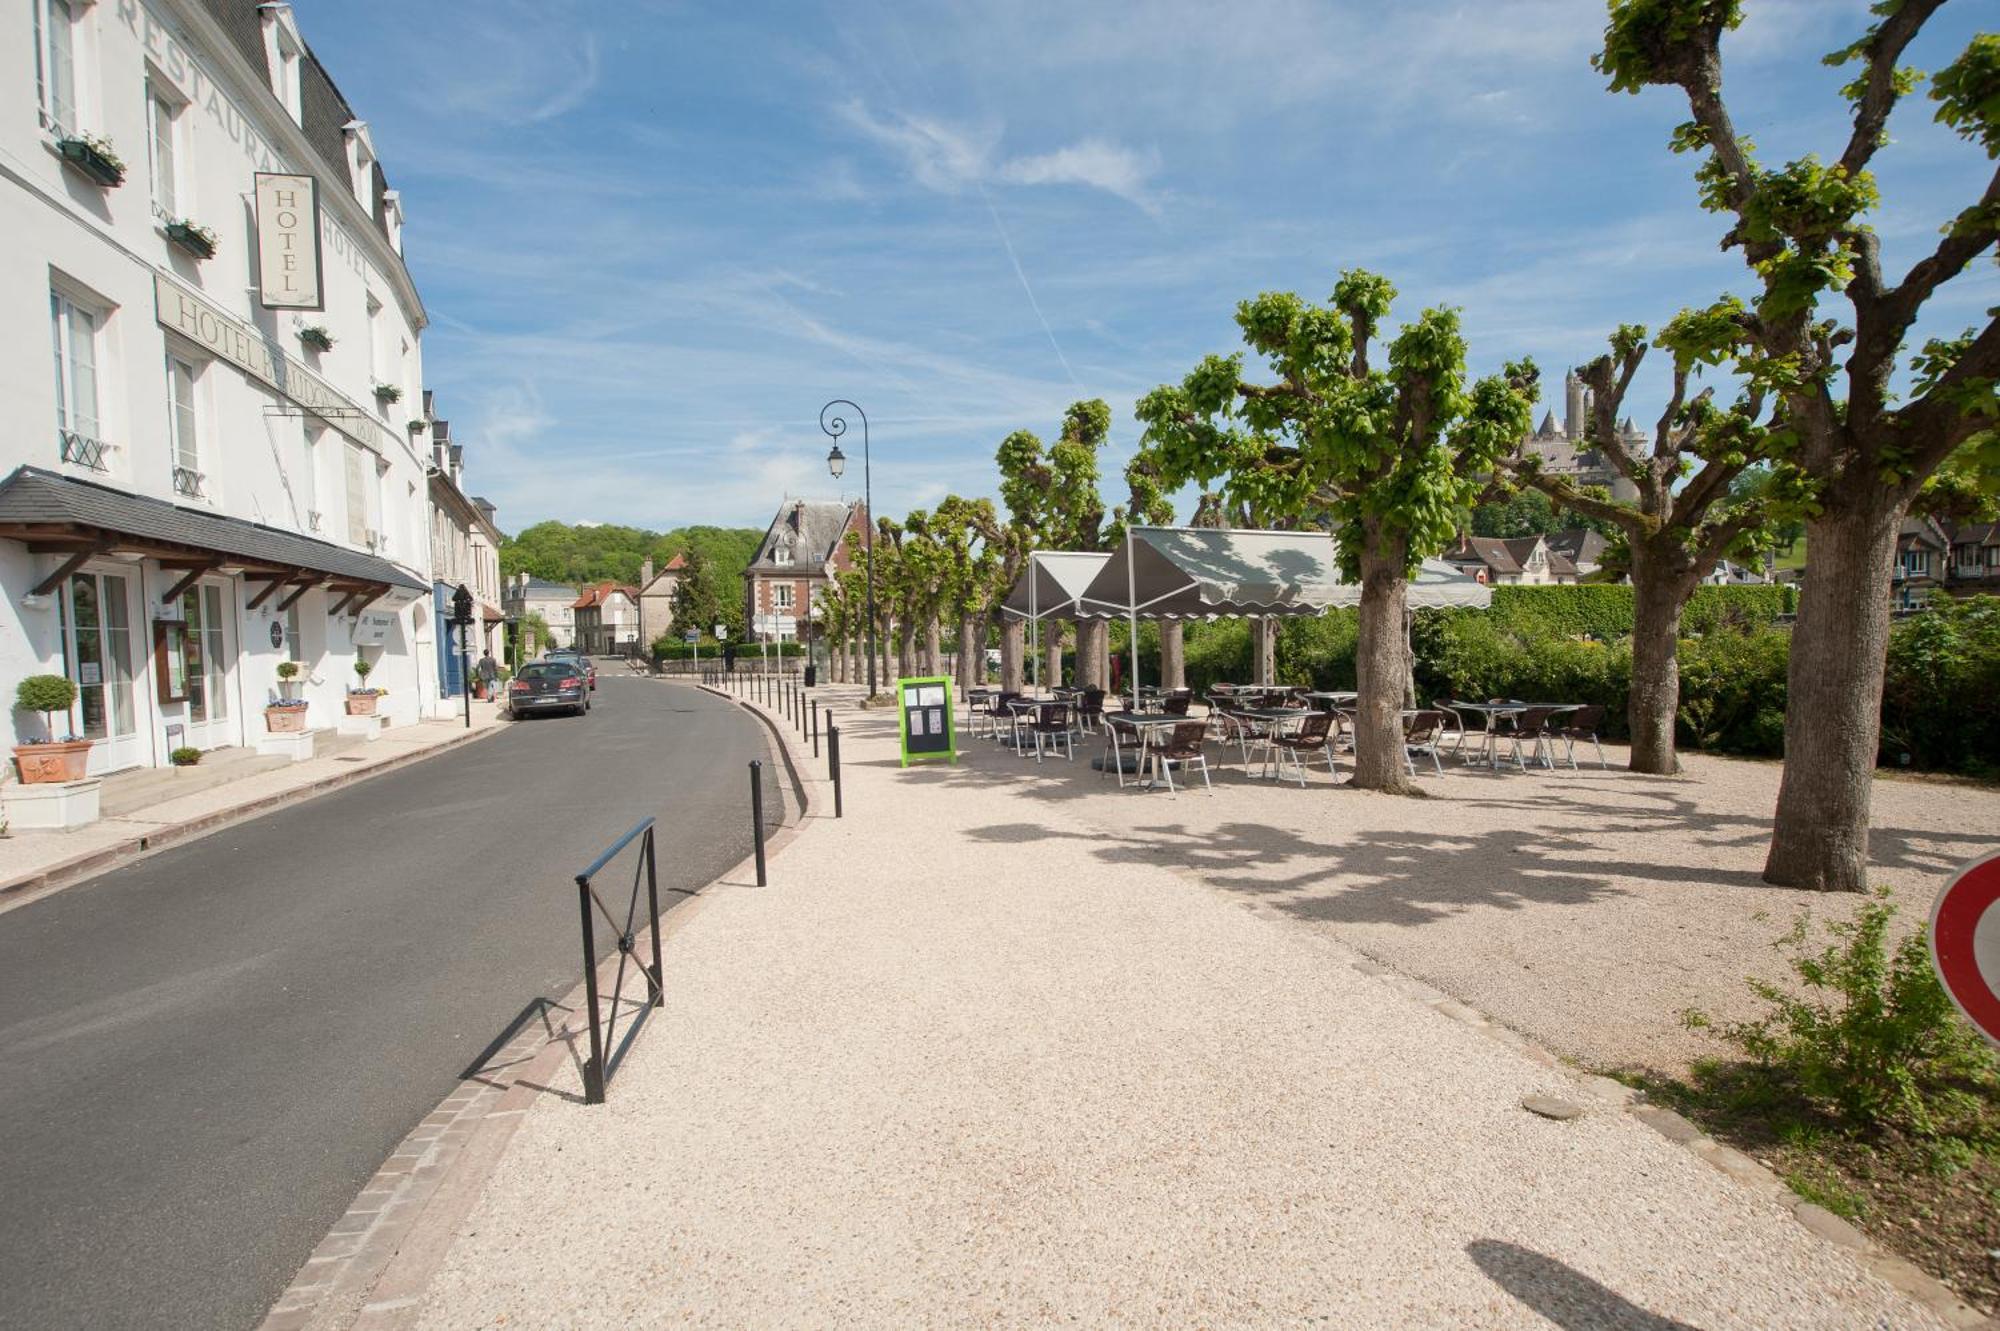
[[368, 727], [296, 745], [50, 807]]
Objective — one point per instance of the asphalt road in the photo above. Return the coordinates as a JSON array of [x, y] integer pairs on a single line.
[[205, 1054]]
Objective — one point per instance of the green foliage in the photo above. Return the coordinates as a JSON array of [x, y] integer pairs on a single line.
[[46, 694], [578, 555], [1733, 691], [1943, 677], [1606, 611], [1872, 1038], [1217, 652], [184, 756], [1529, 512], [1391, 456], [699, 599], [1644, 40], [362, 667], [1967, 92], [288, 670]]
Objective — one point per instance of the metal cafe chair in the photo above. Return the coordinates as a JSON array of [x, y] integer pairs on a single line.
[[1533, 725], [1181, 745], [1584, 723], [1421, 733], [1052, 726], [1312, 735]]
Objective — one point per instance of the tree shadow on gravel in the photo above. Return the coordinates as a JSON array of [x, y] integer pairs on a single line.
[[1561, 1293], [1401, 878]]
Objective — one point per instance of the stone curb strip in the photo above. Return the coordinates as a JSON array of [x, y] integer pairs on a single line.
[[1604, 1093], [371, 1270], [72, 871]]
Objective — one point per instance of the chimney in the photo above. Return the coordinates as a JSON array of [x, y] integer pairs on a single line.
[[645, 572]]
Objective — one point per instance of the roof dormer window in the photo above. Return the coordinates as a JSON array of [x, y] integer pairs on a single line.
[[361, 162], [284, 52], [392, 218]]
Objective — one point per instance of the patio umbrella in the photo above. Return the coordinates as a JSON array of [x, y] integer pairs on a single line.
[[1211, 573], [1436, 585], [1048, 588]]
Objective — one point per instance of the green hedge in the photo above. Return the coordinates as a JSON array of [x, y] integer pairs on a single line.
[[1605, 611], [1941, 700], [674, 649]]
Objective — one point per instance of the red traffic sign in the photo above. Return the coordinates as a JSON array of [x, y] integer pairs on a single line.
[[1965, 942]]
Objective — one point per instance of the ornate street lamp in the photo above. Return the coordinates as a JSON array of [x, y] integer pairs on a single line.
[[836, 462], [461, 617]]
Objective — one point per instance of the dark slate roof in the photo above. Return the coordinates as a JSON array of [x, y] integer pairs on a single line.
[[810, 528], [33, 495], [1579, 545], [323, 113]]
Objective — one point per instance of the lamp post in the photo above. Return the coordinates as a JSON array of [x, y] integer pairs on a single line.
[[461, 618], [836, 462]]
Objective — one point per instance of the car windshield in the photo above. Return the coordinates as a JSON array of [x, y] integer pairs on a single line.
[[547, 670]]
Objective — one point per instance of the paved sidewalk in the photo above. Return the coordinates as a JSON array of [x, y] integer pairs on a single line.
[[940, 1073], [33, 861]]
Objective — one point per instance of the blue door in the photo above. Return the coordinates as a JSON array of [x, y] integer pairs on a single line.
[[451, 679]]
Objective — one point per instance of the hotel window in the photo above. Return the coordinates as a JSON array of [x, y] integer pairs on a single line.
[[73, 329], [184, 426], [55, 64], [361, 163], [357, 495], [163, 144], [784, 595]]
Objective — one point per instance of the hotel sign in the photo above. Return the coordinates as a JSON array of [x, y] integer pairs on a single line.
[[289, 274], [244, 347]]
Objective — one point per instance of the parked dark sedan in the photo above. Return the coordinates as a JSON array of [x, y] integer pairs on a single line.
[[549, 686], [577, 659]]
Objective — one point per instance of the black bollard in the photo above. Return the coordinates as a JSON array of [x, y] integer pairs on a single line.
[[833, 763], [757, 813]]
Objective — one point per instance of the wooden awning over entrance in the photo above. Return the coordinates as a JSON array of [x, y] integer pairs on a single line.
[[80, 520]]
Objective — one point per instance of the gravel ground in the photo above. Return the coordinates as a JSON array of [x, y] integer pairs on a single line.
[[975, 1059], [1586, 908]]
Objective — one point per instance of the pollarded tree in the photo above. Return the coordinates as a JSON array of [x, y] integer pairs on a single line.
[[1682, 520], [1858, 448], [966, 574], [1147, 505], [1394, 454], [1052, 494]]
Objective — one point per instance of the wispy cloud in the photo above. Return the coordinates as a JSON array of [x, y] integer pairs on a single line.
[[950, 158]]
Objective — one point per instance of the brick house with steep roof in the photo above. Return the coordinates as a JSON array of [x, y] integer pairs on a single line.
[[805, 545]]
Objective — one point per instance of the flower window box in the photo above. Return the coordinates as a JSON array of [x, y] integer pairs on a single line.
[[93, 158], [193, 237]]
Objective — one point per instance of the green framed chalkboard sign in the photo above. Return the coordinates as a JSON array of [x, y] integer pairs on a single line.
[[924, 719]]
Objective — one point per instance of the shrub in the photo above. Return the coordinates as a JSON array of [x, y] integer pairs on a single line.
[[1733, 692], [184, 756], [1937, 699], [1217, 652], [288, 670], [47, 694], [1874, 1039]]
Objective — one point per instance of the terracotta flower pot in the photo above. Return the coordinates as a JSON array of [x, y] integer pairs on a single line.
[[361, 704], [284, 720], [53, 763]]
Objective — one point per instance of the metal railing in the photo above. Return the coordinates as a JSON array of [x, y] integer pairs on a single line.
[[187, 481], [81, 450], [597, 1071]]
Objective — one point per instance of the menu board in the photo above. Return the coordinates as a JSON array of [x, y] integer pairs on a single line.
[[924, 718]]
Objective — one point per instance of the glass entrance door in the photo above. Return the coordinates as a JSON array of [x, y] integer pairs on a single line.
[[208, 658], [97, 654]]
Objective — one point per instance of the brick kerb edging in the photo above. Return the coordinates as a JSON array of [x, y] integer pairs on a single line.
[[1608, 1094], [371, 1270], [72, 871]]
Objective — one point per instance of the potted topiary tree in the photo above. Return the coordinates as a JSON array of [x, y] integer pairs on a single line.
[[361, 699], [50, 760], [286, 716]]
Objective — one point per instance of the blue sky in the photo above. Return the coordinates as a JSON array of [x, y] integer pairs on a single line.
[[655, 236]]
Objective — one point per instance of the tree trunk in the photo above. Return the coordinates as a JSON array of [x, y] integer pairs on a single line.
[[1833, 703], [1093, 637], [1052, 666], [1381, 667], [1659, 592], [1013, 651], [1173, 654], [887, 636], [1264, 650], [933, 647], [906, 649], [970, 657]]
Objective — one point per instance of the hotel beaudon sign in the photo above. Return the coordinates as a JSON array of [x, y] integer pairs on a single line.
[[242, 346]]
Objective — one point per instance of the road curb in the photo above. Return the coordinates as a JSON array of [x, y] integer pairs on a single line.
[[370, 1271], [89, 865]]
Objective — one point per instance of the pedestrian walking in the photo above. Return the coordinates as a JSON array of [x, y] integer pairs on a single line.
[[729, 658], [489, 674]]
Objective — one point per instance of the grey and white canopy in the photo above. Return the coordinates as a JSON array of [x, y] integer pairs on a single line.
[[1049, 587], [1207, 573], [1436, 585]]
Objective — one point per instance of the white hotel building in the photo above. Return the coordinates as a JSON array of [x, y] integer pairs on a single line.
[[194, 487]]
